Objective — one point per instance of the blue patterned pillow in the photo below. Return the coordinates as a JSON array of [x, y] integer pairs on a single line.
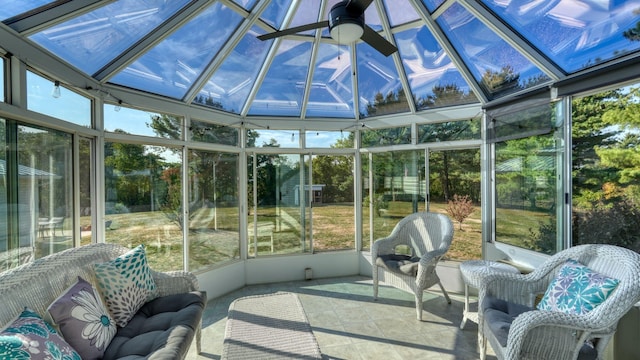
[[83, 320], [576, 289], [30, 337], [126, 284]]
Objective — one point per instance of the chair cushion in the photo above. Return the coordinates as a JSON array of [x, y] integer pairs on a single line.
[[399, 263], [499, 314], [163, 327]]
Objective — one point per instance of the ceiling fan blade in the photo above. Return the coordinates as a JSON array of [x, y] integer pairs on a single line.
[[379, 43], [358, 6], [294, 30]]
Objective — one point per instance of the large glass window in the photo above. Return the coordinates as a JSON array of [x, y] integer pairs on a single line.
[[528, 177], [54, 99], [606, 168], [213, 208], [125, 120], [143, 186]]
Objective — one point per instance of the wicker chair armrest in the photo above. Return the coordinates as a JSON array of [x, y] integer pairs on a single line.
[[175, 282], [547, 329], [384, 246], [516, 288]]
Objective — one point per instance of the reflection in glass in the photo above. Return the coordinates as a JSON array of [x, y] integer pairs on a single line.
[[138, 122], [282, 90], [379, 89], [213, 208], [331, 93], [213, 133], [433, 78], [449, 131], [495, 64], [143, 194], [92, 40], [69, 106], [528, 184], [171, 67], [575, 34], [230, 85]]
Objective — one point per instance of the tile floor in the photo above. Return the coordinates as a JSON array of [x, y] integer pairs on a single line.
[[348, 324]]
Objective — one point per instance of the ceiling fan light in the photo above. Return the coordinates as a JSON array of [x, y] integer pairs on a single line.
[[346, 33]]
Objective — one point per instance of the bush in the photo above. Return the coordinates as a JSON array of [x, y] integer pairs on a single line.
[[460, 208]]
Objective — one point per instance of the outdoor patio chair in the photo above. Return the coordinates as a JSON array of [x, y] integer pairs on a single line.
[[407, 258], [576, 316]]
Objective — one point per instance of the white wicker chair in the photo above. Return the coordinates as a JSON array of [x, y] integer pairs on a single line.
[[551, 335], [429, 235]]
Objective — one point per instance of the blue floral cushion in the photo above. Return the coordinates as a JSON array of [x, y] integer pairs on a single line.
[[83, 320], [30, 337], [126, 284], [576, 289]]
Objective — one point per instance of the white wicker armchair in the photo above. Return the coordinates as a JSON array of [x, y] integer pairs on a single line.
[[554, 335], [429, 235]]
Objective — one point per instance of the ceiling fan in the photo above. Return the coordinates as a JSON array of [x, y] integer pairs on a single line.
[[346, 25]]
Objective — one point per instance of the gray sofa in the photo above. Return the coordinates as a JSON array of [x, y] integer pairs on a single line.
[[163, 328]]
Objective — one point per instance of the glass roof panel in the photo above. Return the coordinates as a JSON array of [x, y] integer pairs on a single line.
[[371, 17], [230, 85], [275, 12], [433, 78], [331, 93], [400, 12], [575, 34], [172, 66], [247, 4], [92, 40], [306, 14], [495, 64], [432, 5], [282, 90], [379, 88], [11, 8]]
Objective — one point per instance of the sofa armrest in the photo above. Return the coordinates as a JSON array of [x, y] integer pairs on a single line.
[[175, 282]]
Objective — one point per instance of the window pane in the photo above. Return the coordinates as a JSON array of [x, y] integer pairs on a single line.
[[65, 105], [449, 131], [126, 120], [382, 137], [2, 83], [273, 138], [45, 187], [329, 139], [212, 133], [213, 208], [333, 210], [143, 201], [606, 168], [86, 184], [528, 185]]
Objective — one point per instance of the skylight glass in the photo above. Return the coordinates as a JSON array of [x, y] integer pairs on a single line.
[[171, 67], [379, 88], [11, 8], [230, 85], [307, 13], [432, 5], [433, 78], [400, 12], [576, 34], [247, 4], [275, 12], [282, 90], [331, 93], [92, 40], [495, 64]]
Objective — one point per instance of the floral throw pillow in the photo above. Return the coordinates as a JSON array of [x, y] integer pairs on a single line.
[[126, 284], [576, 289], [83, 320], [30, 337]]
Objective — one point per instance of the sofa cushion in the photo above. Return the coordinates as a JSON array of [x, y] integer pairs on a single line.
[[83, 320], [163, 327], [499, 314], [405, 264], [577, 289], [126, 284], [30, 337]]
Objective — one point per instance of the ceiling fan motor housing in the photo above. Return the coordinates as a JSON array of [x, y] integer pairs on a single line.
[[340, 15]]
